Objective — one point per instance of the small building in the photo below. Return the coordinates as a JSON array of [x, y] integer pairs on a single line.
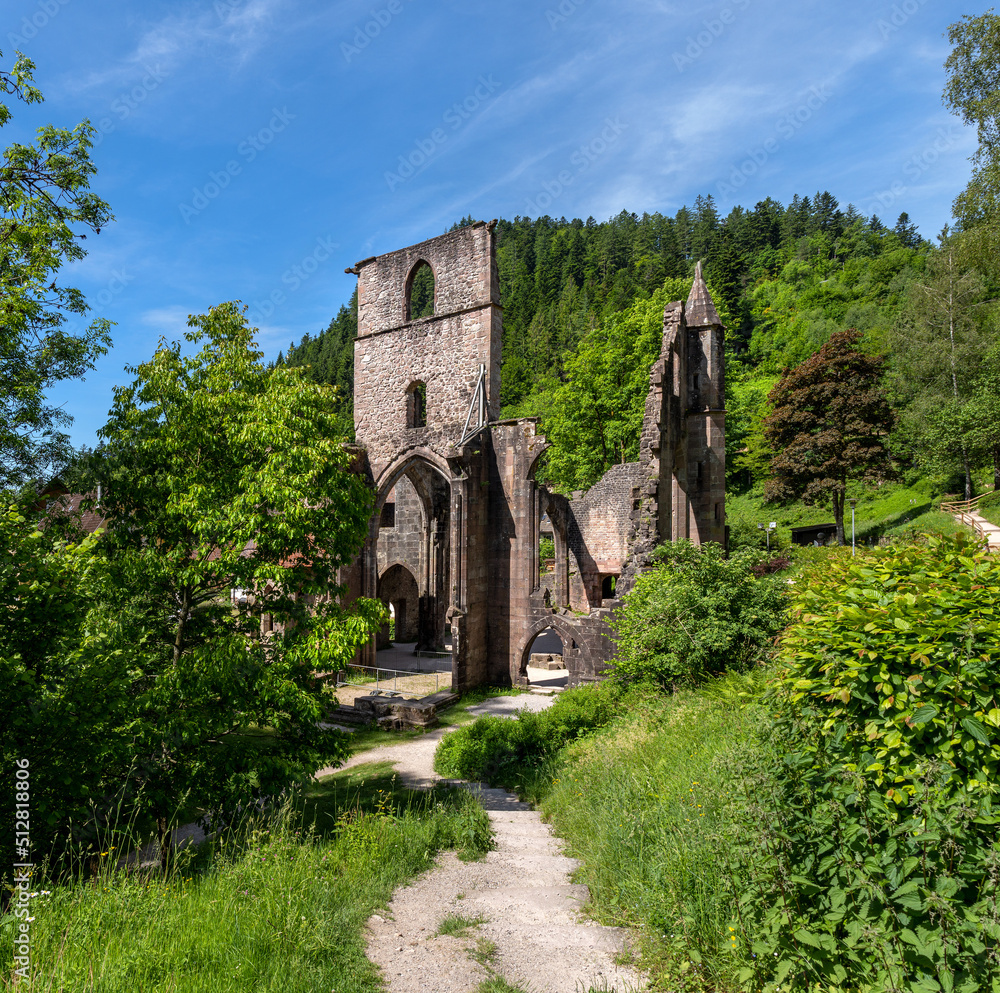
[[814, 534]]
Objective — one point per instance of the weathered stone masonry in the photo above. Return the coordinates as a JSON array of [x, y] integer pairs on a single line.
[[458, 543]]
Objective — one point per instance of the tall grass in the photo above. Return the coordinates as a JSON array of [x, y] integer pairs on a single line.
[[279, 907], [648, 805]]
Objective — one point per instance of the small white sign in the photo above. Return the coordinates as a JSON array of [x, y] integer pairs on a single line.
[[773, 524]]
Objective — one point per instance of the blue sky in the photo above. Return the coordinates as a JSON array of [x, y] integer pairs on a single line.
[[253, 149]]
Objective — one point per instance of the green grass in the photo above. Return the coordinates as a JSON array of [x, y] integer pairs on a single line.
[[280, 908], [458, 926], [652, 825], [497, 984]]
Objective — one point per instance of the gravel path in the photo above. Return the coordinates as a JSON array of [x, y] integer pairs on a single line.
[[531, 932]]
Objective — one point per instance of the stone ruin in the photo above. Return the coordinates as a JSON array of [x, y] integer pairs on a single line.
[[454, 541]]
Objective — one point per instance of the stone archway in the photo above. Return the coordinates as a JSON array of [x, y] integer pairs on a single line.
[[419, 541], [397, 587], [567, 635]]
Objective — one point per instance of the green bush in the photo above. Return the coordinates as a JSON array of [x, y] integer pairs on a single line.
[[893, 660], [696, 615], [501, 751], [874, 861]]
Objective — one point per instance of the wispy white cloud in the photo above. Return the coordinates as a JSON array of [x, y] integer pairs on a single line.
[[170, 322], [231, 29]]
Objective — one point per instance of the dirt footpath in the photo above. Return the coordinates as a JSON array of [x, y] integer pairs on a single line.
[[532, 931]]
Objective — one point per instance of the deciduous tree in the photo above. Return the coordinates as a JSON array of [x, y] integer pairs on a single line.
[[941, 357], [829, 424], [46, 207], [230, 501]]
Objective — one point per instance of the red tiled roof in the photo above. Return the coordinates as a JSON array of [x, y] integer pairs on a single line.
[[68, 504]]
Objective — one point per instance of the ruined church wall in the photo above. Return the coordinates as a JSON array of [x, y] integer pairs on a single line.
[[598, 530], [444, 351]]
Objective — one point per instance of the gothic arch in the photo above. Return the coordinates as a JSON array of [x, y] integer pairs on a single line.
[[414, 456], [567, 633]]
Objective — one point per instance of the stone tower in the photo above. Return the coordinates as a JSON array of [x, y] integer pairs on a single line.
[[455, 538]]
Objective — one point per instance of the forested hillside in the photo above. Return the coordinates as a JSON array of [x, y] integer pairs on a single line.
[[583, 302]]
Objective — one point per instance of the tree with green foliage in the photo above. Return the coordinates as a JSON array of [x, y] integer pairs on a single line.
[[973, 93], [829, 424], [45, 201], [697, 614], [62, 701], [329, 359], [594, 418], [941, 361], [230, 508]]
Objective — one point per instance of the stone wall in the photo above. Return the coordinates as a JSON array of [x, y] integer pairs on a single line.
[[444, 352], [468, 510], [598, 533], [404, 541]]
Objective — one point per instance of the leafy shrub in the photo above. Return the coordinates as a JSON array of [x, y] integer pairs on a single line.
[[697, 614], [893, 661], [497, 750], [874, 862]]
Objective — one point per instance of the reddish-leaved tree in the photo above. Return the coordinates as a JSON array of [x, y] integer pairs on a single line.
[[829, 423]]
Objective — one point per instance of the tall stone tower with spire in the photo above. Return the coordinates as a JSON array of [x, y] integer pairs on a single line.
[[681, 488]]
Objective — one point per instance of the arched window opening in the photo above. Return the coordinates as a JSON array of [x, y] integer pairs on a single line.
[[420, 292], [546, 552], [608, 584], [416, 405]]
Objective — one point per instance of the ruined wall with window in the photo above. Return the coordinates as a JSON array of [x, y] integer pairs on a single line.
[[459, 514]]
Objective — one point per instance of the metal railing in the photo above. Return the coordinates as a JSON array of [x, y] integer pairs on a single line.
[[401, 679]]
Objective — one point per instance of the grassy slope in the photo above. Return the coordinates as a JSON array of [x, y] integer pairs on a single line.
[[283, 910], [651, 825], [889, 510]]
